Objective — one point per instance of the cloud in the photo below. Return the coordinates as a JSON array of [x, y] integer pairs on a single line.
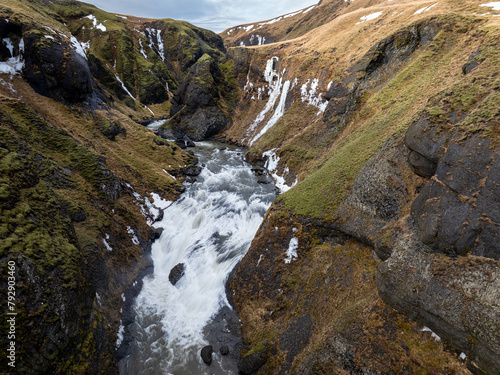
[[215, 15]]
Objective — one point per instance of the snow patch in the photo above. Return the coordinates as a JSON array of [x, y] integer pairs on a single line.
[[14, 64], [292, 250], [8, 85], [249, 85], [107, 244], [121, 331], [369, 17], [95, 23], [159, 42], [98, 298], [310, 8], [274, 83], [142, 50], [433, 335], [278, 113], [495, 5], [169, 174], [123, 86], [272, 166], [149, 109], [426, 9], [160, 202], [260, 39], [135, 240], [260, 258], [308, 94], [78, 47]]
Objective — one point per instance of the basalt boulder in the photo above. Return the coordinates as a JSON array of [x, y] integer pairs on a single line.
[[176, 273]]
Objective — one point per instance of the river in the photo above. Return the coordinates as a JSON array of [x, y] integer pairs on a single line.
[[209, 229]]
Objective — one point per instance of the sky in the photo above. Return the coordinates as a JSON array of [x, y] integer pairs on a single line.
[[215, 15]]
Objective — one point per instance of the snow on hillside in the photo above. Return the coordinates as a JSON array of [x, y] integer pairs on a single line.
[[495, 5], [97, 25], [308, 95], [14, 64], [270, 22], [274, 80], [369, 17], [425, 9]]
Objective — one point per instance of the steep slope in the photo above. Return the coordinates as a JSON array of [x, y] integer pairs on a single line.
[[285, 27], [381, 130], [81, 181]]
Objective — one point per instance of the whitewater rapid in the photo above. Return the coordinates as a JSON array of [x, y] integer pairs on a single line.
[[209, 229]]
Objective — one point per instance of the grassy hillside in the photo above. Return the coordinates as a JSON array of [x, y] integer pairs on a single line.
[[328, 112], [78, 173]]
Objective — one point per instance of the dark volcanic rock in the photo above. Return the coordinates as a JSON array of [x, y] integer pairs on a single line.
[[294, 339], [176, 273], [456, 212], [54, 69], [252, 363], [189, 142], [423, 139], [192, 170], [194, 108], [159, 142], [181, 143], [206, 354], [457, 299], [471, 63], [225, 335]]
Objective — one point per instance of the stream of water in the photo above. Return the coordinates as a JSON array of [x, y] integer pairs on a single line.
[[209, 229]]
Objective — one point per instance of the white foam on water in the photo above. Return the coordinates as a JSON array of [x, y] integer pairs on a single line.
[[209, 229]]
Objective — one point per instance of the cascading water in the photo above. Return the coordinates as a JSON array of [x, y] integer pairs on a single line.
[[209, 229]]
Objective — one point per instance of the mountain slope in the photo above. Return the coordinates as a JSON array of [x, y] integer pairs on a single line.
[[81, 181], [378, 120], [376, 126]]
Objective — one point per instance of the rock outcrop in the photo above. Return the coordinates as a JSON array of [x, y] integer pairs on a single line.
[[196, 109]]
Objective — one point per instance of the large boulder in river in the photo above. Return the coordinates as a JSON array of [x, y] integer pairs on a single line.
[[206, 354], [176, 273]]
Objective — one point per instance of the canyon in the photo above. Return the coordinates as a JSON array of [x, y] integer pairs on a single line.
[[378, 122]]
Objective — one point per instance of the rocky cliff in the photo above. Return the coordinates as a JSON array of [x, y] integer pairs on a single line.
[[378, 121], [81, 181], [380, 127]]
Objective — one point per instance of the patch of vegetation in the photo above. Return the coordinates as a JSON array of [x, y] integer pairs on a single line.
[[388, 111]]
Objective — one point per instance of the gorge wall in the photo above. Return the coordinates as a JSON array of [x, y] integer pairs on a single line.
[[381, 131], [379, 122]]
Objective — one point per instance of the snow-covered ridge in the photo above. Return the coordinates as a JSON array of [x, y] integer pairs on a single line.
[[270, 22]]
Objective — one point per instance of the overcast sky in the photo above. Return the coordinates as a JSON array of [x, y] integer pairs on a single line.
[[216, 15]]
